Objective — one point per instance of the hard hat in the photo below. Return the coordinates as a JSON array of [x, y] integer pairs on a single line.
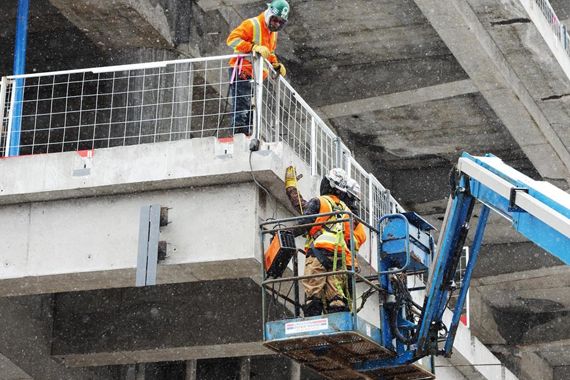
[[353, 189], [337, 179], [277, 15]]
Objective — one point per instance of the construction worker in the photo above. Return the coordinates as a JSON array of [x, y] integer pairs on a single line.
[[351, 198], [329, 292], [259, 35]]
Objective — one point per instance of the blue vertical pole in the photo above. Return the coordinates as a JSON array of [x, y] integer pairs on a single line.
[[19, 68]]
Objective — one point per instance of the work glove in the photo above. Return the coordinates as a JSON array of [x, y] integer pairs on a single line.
[[280, 68], [290, 177], [262, 50]]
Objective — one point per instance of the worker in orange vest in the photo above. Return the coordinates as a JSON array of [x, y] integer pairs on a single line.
[[259, 35], [331, 293]]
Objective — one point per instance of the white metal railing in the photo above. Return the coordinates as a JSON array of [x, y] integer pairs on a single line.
[[287, 117], [171, 100], [558, 28], [117, 105]]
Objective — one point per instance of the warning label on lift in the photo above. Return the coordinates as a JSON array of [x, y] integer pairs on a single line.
[[306, 326]]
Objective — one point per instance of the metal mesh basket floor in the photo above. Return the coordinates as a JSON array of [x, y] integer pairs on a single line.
[[333, 356]]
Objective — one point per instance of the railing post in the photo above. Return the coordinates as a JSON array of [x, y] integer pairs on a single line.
[[278, 111], [370, 200], [10, 120], [338, 151], [258, 83], [347, 162], [313, 147], [3, 87]]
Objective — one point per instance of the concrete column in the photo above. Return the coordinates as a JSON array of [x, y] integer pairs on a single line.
[[295, 370], [191, 367], [532, 366], [140, 371], [245, 368]]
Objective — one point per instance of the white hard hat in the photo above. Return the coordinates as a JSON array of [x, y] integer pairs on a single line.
[[353, 188], [337, 179]]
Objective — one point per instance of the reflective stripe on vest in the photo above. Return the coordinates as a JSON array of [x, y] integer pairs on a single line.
[[256, 31], [329, 234]]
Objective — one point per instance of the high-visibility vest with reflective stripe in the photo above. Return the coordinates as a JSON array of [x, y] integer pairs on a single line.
[[359, 234], [327, 236], [252, 31]]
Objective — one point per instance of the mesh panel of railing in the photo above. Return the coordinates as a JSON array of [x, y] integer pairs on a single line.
[[123, 105], [5, 98], [362, 177]]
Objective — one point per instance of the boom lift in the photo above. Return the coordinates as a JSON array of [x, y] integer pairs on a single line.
[[345, 346]]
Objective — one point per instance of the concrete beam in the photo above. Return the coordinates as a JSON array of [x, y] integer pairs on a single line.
[[25, 340], [527, 281], [94, 242], [532, 366], [527, 309], [210, 5], [126, 23], [170, 322], [468, 352], [471, 44], [404, 98], [10, 371]]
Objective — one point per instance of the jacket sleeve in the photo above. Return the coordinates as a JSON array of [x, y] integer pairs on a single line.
[[313, 207], [296, 198], [359, 235], [240, 39]]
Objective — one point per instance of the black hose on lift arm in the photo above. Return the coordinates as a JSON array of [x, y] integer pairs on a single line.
[[402, 295], [393, 317]]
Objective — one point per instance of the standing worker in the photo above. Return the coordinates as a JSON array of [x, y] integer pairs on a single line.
[[259, 35], [331, 292]]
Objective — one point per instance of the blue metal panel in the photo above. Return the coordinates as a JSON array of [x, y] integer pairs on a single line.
[[320, 325], [406, 233]]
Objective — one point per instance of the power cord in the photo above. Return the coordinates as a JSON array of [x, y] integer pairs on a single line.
[[261, 186]]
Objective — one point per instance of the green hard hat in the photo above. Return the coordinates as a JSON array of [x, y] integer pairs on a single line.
[[279, 8]]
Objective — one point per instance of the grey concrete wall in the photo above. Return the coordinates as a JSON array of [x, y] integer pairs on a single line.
[[102, 234], [25, 338], [159, 323]]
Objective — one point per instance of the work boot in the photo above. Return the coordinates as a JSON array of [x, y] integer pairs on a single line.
[[313, 307]]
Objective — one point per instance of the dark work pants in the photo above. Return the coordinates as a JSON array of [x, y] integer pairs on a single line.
[[240, 93]]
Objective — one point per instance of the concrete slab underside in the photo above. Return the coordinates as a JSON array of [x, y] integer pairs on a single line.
[[161, 323]]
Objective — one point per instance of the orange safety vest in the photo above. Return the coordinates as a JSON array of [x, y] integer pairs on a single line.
[[252, 31], [326, 236]]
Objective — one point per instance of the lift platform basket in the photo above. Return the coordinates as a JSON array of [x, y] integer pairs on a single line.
[[332, 344]]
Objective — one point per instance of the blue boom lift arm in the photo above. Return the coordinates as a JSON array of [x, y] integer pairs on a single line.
[[536, 209]]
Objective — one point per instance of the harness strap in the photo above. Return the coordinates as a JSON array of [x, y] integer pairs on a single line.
[[237, 69]]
